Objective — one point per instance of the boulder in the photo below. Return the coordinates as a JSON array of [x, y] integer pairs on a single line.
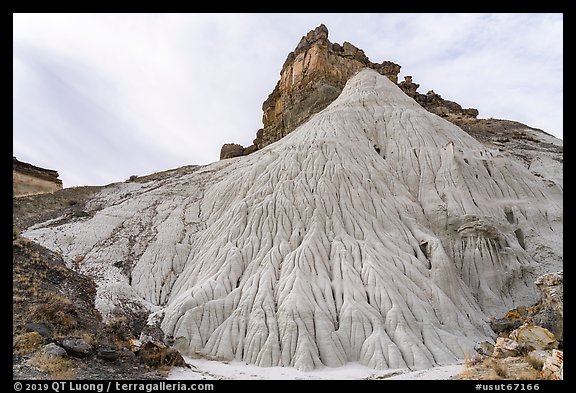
[[156, 354], [77, 347], [126, 354], [504, 324], [484, 348], [517, 314], [471, 112], [108, 355], [531, 338], [505, 348], [231, 150], [550, 279], [40, 328], [553, 366], [54, 350]]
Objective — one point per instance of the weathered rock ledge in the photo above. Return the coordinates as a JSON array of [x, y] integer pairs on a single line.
[[28, 179]]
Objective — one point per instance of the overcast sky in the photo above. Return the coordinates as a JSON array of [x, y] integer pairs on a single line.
[[101, 97]]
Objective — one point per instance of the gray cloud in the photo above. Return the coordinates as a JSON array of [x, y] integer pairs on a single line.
[[100, 97]]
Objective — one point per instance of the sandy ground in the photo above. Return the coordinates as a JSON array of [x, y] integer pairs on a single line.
[[207, 369]]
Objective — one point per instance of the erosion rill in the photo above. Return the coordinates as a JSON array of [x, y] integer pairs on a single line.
[[362, 227]]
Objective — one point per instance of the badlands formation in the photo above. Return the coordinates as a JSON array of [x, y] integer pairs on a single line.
[[375, 232]]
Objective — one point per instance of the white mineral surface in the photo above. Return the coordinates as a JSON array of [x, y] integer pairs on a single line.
[[376, 233]]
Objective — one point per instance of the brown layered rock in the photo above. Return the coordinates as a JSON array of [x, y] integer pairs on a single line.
[[314, 75], [408, 86], [434, 103], [231, 150], [28, 179]]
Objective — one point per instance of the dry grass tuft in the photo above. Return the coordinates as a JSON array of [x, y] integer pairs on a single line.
[[499, 368], [57, 367], [26, 343], [535, 362], [57, 311], [472, 361]]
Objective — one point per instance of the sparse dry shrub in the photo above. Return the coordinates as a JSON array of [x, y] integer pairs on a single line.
[[57, 367], [88, 337], [58, 311], [119, 329], [472, 361], [499, 368], [26, 343], [467, 360], [535, 362], [513, 315], [466, 374]]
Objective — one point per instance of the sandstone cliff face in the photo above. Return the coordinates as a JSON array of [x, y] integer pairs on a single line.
[[313, 76], [28, 179]]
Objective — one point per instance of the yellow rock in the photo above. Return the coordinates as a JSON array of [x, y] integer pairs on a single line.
[[534, 338]]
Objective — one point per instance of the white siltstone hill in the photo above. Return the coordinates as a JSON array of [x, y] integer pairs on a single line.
[[376, 233]]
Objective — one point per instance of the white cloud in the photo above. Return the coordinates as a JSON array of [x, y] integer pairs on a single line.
[[100, 97]]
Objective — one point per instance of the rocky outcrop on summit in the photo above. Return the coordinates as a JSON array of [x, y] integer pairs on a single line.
[[433, 102], [230, 150], [28, 179], [376, 232], [313, 76]]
